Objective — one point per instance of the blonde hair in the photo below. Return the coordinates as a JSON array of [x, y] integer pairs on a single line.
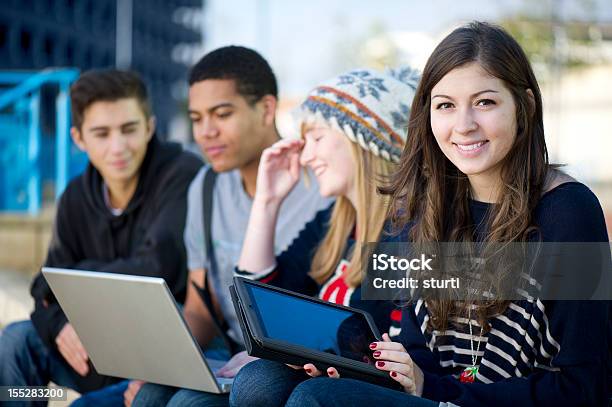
[[369, 170]]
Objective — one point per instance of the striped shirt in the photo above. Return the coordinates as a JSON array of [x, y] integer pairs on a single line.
[[519, 342], [536, 352]]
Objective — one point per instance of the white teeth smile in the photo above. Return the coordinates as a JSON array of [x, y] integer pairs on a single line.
[[470, 147]]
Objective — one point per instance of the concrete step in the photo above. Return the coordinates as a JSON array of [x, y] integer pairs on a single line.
[[15, 300], [16, 305], [24, 240]]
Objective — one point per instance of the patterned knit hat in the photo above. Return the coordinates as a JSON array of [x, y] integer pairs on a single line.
[[370, 107]]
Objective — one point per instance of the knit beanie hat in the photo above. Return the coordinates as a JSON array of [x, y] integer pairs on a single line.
[[369, 107]]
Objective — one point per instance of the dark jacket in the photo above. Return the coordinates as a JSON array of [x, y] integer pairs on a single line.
[[146, 239]]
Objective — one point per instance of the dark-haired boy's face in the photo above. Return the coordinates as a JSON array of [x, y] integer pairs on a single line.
[[229, 130], [115, 135]]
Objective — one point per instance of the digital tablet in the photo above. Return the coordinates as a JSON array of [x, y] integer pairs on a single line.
[[292, 328]]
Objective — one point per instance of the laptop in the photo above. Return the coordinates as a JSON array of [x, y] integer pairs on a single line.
[[131, 327]]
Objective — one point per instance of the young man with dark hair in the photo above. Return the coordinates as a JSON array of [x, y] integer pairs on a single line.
[[124, 214], [232, 106]]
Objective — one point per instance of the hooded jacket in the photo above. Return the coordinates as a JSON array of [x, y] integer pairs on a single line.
[[146, 239]]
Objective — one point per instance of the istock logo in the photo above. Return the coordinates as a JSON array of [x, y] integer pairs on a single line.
[[383, 262]]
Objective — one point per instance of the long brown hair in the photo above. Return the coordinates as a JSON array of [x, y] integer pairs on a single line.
[[429, 189]]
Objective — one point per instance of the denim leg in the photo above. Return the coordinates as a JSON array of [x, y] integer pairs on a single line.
[[326, 392], [150, 394], [107, 397], [154, 395], [192, 398], [159, 395], [264, 383], [24, 359]]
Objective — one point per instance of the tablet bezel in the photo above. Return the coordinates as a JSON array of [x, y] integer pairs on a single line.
[[297, 352]]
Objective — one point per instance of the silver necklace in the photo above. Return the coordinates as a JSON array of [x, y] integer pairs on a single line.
[[469, 373]]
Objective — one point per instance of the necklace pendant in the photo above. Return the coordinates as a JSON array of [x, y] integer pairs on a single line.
[[469, 374]]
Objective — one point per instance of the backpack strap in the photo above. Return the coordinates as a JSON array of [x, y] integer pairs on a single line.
[[207, 202]]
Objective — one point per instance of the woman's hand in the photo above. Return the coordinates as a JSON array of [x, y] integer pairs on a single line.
[[392, 357], [279, 170], [312, 371]]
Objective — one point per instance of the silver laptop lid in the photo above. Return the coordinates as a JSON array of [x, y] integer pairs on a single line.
[[131, 327]]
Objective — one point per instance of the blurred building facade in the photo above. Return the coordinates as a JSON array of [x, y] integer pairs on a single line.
[[143, 35]]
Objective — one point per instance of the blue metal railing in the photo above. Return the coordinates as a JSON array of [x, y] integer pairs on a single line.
[[22, 144]]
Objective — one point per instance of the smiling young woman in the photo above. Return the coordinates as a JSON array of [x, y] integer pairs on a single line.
[[476, 170]]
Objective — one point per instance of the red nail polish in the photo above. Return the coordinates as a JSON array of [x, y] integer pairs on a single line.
[[377, 354], [307, 370], [393, 374], [373, 345], [380, 364]]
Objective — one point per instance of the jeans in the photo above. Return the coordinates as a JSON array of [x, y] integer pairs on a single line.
[[326, 392], [152, 395], [265, 383], [192, 398], [155, 395], [107, 397], [26, 361]]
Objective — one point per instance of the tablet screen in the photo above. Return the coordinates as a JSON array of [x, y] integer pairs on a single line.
[[312, 325]]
